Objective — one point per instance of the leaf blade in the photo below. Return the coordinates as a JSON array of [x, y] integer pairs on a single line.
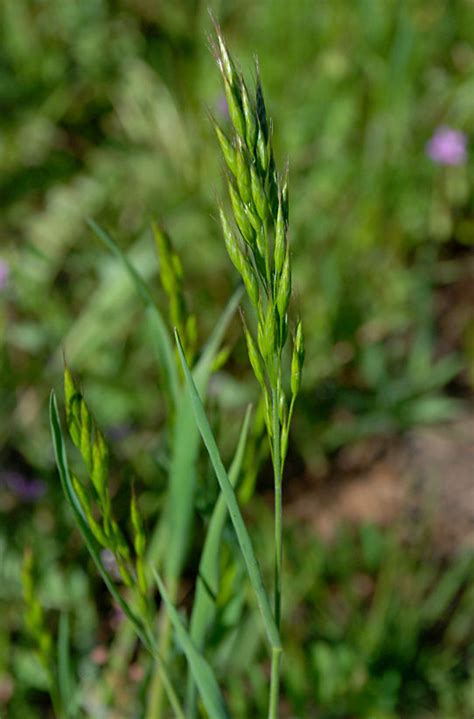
[[202, 671], [243, 537]]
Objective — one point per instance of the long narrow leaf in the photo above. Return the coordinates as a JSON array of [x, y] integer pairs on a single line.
[[208, 578], [243, 537], [207, 587], [203, 674]]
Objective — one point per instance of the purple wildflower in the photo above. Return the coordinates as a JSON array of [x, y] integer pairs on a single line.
[[4, 273], [110, 563], [27, 490], [222, 108], [447, 147]]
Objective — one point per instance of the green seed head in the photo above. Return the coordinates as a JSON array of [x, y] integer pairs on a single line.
[[224, 60], [86, 504], [282, 408], [227, 149], [263, 151], [119, 543], [267, 333], [86, 430], [284, 198], [232, 245], [297, 360], [250, 282], [70, 389], [260, 103], [232, 93], [258, 195], [241, 216], [243, 175], [284, 286], [141, 577], [249, 116], [139, 539], [100, 464], [255, 358], [280, 240], [253, 218], [73, 408]]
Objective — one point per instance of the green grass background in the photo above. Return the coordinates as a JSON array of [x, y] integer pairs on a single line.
[[103, 115]]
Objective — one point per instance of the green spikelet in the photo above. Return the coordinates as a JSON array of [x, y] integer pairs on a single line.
[[280, 240], [73, 407], [251, 283], [241, 216], [254, 357], [258, 195], [171, 276], [249, 116], [284, 286], [227, 148], [86, 431], [86, 504], [297, 360], [139, 539], [234, 251], [267, 334], [243, 175], [100, 464]]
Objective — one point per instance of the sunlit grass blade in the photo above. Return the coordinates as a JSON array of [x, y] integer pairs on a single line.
[[204, 609], [161, 337], [203, 674], [243, 537], [73, 501]]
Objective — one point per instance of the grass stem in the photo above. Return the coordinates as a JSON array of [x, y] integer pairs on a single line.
[[275, 683]]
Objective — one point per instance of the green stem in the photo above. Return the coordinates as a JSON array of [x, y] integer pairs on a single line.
[[285, 433], [274, 684], [164, 676], [155, 694], [54, 694], [276, 455]]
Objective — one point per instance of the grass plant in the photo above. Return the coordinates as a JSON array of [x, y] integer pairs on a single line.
[[259, 248]]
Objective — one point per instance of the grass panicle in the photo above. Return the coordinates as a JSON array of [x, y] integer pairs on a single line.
[[260, 251]]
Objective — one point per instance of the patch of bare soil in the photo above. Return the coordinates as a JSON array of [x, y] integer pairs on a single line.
[[424, 478]]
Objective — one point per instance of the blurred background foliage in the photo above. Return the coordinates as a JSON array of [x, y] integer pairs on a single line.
[[103, 115]]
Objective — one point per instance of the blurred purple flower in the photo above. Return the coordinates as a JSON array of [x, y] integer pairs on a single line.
[[222, 108], [4, 273], [110, 563], [447, 146], [117, 432], [118, 615], [27, 490]]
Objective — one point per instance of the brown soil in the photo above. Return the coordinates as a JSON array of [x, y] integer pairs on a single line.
[[425, 478]]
